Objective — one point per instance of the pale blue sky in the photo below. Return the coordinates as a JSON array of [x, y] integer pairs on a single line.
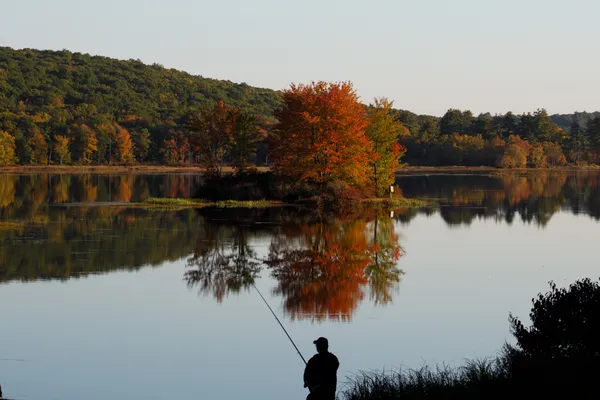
[[426, 55]]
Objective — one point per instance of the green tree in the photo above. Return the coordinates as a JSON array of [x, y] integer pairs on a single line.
[[456, 121], [577, 143], [384, 131], [141, 143], [593, 133], [246, 134], [483, 125], [546, 130], [214, 130]]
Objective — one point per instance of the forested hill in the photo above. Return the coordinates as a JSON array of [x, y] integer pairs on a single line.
[[43, 79], [65, 107], [52, 91]]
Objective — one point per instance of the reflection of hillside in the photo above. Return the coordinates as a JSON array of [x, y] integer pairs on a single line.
[[22, 196], [533, 197], [80, 240]]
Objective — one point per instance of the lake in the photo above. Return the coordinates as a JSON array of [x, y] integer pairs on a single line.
[[103, 300]]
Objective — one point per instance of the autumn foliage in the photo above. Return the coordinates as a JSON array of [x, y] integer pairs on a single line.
[[321, 135], [7, 149], [223, 134]]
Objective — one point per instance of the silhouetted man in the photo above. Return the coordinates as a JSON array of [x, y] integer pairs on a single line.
[[320, 374]]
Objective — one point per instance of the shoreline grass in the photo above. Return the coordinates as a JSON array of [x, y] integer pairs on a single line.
[[480, 379], [397, 202], [168, 202], [198, 203]]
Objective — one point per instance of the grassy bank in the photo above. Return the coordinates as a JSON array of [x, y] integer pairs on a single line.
[[485, 379], [164, 202], [194, 203]]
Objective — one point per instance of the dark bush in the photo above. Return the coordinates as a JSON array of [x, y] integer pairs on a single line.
[[561, 349], [267, 186], [558, 357], [250, 186], [565, 323], [340, 197]]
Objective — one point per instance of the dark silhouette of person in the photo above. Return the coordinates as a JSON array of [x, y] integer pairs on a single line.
[[320, 374]]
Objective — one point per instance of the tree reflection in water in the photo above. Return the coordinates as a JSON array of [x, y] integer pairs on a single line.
[[223, 263], [322, 269]]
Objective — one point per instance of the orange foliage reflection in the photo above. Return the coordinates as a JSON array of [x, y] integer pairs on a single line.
[[322, 272]]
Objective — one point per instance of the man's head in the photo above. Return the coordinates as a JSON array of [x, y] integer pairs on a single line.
[[322, 344]]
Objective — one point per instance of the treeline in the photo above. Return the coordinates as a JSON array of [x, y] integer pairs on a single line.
[[59, 107], [510, 141]]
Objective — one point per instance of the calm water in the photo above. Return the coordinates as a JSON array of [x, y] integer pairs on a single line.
[[101, 300]]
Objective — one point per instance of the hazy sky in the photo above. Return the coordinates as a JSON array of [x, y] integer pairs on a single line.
[[426, 55]]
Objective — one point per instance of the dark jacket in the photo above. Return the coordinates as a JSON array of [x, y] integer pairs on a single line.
[[321, 371]]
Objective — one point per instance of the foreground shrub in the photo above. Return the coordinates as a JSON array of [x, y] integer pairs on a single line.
[[557, 357]]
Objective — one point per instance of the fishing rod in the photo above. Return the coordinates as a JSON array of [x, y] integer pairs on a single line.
[[280, 324]]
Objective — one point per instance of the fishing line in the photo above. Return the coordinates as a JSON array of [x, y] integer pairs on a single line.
[[280, 324]]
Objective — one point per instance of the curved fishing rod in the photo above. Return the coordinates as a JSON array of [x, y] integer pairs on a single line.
[[280, 324]]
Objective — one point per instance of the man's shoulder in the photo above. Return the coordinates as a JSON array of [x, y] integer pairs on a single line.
[[333, 357]]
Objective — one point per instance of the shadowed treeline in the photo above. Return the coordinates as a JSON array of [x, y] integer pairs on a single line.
[[83, 240]]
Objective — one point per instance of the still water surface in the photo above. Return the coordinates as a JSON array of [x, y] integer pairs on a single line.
[[100, 300]]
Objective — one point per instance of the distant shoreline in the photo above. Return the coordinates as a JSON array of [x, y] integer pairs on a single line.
[[99, 169]]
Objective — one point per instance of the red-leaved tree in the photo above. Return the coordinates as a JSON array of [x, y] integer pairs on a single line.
[[320, 136]]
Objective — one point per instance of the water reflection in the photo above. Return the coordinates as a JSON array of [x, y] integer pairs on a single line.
[[223, 262], [534, 197], [24, 196], [78, 241], [322, 267]]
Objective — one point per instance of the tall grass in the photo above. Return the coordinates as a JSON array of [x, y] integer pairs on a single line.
[[183, 203], [482, 379]]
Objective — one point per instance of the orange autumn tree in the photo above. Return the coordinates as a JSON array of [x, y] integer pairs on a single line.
[[320, 136], [124, 145]]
